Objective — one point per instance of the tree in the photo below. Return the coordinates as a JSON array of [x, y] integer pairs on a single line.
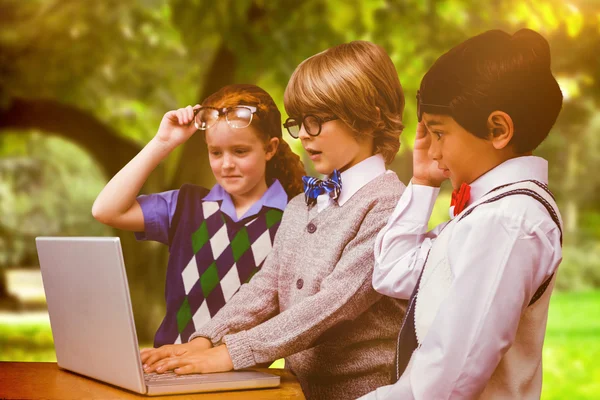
[[102, 74]]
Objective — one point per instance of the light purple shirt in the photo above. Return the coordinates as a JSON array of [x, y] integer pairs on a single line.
[[159, 208]]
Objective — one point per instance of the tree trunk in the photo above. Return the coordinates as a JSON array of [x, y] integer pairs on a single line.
[[110, 150], [194, 166]]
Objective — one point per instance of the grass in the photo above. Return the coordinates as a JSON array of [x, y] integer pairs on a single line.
[[571, 348]]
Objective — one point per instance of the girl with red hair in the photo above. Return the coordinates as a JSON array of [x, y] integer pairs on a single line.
[[217, 238]]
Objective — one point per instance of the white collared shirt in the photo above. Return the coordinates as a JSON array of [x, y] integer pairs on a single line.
[[353, 179], [499, 259]]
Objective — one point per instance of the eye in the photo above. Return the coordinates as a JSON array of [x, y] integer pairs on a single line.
[[438, 134], [241, 151], [215, 153]]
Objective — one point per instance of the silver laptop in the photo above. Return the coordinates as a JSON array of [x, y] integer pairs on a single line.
[[92, 321]]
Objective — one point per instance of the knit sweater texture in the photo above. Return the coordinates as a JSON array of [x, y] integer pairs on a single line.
[[313, 301]]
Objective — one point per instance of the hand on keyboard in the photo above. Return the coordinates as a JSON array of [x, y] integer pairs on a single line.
[[202, 361], [151, 356]]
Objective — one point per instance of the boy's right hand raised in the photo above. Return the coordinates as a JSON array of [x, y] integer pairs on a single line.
[[425, 169], [176, 127]]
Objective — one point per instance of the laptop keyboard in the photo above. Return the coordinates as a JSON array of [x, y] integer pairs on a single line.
[[170, 375]]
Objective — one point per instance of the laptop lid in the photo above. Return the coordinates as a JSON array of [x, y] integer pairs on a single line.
[[90, 309]]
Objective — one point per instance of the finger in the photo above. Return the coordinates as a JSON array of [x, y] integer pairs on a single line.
[[189, 114], [171, 115], [156, 367], [145, 350], [421, 130], [180, 117], [171, 363], [186, 369], [157, 355], [145, 353], [197, 106]]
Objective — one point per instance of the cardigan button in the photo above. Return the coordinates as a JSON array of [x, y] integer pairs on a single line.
[[311, 228], [299, 283]]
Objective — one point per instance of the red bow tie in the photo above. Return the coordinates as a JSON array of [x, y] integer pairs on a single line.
[[460, 198]]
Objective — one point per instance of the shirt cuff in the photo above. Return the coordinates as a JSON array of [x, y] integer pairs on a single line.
[[213, 332], [239, 349], [421, 207], [150, 223]]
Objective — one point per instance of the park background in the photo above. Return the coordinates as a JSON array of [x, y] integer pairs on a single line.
[[84, 84]]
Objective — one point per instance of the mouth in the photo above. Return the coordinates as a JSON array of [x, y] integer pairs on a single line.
[[230, 176], [445, 171], [313, 154]]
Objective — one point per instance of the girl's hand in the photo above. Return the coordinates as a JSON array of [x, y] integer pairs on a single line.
[[425, 169], [176, 127], [216, 359], [150, 357]]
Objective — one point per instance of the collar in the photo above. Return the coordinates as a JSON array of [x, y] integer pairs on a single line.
[[510, 171], [357, 176], [273, 197]]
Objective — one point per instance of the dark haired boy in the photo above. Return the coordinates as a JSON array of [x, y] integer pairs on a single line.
[[480, 283]]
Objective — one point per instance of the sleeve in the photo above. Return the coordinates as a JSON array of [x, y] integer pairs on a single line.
[[344, 295], [158, 210], [478, 320], [402, 245]]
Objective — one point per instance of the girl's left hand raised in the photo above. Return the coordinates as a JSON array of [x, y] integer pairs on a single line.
[[216, 359]]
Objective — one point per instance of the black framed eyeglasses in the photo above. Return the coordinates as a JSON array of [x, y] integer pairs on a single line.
[[312, 125], [236, 117], [430, 108]]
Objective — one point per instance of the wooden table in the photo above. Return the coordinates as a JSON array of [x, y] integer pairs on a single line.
[[35, 380]]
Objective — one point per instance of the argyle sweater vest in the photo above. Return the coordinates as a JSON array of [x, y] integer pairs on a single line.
[[211, 256]]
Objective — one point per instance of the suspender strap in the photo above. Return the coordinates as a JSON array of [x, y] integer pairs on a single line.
[[535, 195], [407, 338]]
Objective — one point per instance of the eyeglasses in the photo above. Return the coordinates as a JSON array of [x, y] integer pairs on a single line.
[[432, 108], [312, 125], [236, 117]]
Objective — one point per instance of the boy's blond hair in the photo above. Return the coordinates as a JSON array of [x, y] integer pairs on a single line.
[[358, 83]]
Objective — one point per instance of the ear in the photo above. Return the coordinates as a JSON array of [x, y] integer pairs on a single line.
[[501, 129], [271, 148]]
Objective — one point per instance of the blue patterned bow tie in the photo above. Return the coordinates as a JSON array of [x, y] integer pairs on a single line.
[[314, 187]]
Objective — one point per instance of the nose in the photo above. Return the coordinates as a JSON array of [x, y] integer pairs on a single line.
[[302, 134], [228, 161]]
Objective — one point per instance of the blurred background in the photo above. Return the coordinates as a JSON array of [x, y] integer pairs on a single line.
[[84, 84]]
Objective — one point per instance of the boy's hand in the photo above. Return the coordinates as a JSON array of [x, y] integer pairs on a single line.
[[216, 359], [425, 169], [176, 127], [150, 357]]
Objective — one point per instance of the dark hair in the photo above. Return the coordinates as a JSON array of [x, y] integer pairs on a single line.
[[285, 165], [496, 71]]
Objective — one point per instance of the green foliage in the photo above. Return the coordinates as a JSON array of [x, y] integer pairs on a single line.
[[26, 340], [571, 347], [579, 267], [47, 188], [126, 63]]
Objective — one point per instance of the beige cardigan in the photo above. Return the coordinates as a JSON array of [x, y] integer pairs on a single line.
[[313, 303]]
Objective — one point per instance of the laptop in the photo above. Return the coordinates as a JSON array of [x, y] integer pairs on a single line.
[[92, 321]]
